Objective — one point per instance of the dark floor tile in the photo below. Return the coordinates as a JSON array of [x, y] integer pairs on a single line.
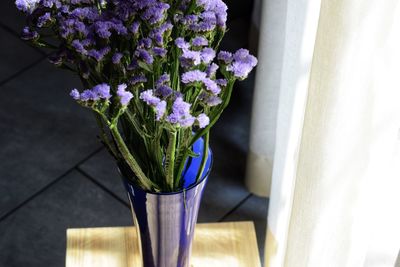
[[43, 132], [14, 54], [253, 209], [103, 169], [10, 16], [35, 235]]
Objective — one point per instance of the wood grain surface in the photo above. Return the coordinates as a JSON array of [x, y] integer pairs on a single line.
[[230, 244]]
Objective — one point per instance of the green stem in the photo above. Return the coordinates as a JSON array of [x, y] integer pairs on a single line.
[[170, 160], [205, 156], [130, 160], [221, 108], [103, 136]]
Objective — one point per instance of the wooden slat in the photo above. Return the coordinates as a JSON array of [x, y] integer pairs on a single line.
[[217, 244]]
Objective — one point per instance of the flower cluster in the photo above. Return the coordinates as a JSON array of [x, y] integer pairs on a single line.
[[152, 66]]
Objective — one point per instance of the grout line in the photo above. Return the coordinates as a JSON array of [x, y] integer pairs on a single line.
[[49, 185], [6, 80], [18, 36], [103, 187], [235, 208]]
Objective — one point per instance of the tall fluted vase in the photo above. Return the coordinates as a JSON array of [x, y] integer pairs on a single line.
[[166, 221]]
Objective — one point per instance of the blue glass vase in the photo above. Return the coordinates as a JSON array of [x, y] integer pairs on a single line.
[[166, 221]]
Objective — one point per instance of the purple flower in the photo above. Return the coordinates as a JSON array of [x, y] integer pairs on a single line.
[[103, 29], [225, 57], [199, 41], [75, 94], [211, 100], [163, 79], [79, 47], [187, 121], [211, 86], [42, 20], [124, 96], [148, 97], [155, 13], [181, 113], [138, 79], [81, 27], [190, 58], [27, 6], [160, 109], [193, 76], [243, 64], [207, 55], [181, 43], [164, 91], [88, 95], [134, 28], [180, 107], [51, 3], [159, 51], [222, 82], [89, 13], [99, 54], [157, 34], [27, 34], [212, 70], [203, 120], [116, 59], [144, 43], [102, 90], [144, 55]]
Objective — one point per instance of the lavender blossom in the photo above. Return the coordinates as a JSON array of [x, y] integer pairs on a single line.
[[88, 95], [164, 91], [116, 59], [181, 43], [225, 57], [159, 51], [79, 47], [102, 90], [134, 28], [203, 120], [212, 70], [124, 96], [163, 79], [27, 6], [28, 34], [148, 97], [211, 101], [199, 41], [42, 20], [155, 13], [99, 54], [211, 86], [222, 82], [207, 55], [161, 108], [181, 113], [190, 58], [243, 64], [138, 79], [193, 76], [75, 94], [144, 55]]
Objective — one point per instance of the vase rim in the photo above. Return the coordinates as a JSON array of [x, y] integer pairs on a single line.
[[175, 192]]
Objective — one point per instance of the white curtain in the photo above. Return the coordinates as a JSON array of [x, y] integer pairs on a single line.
[[335, 193]]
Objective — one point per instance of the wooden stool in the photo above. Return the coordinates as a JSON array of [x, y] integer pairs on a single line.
[[230, 244]]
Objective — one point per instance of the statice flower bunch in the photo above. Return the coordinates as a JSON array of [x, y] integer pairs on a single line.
[[151, 73]]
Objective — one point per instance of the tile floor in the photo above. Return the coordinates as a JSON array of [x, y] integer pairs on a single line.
[[54, 174]]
